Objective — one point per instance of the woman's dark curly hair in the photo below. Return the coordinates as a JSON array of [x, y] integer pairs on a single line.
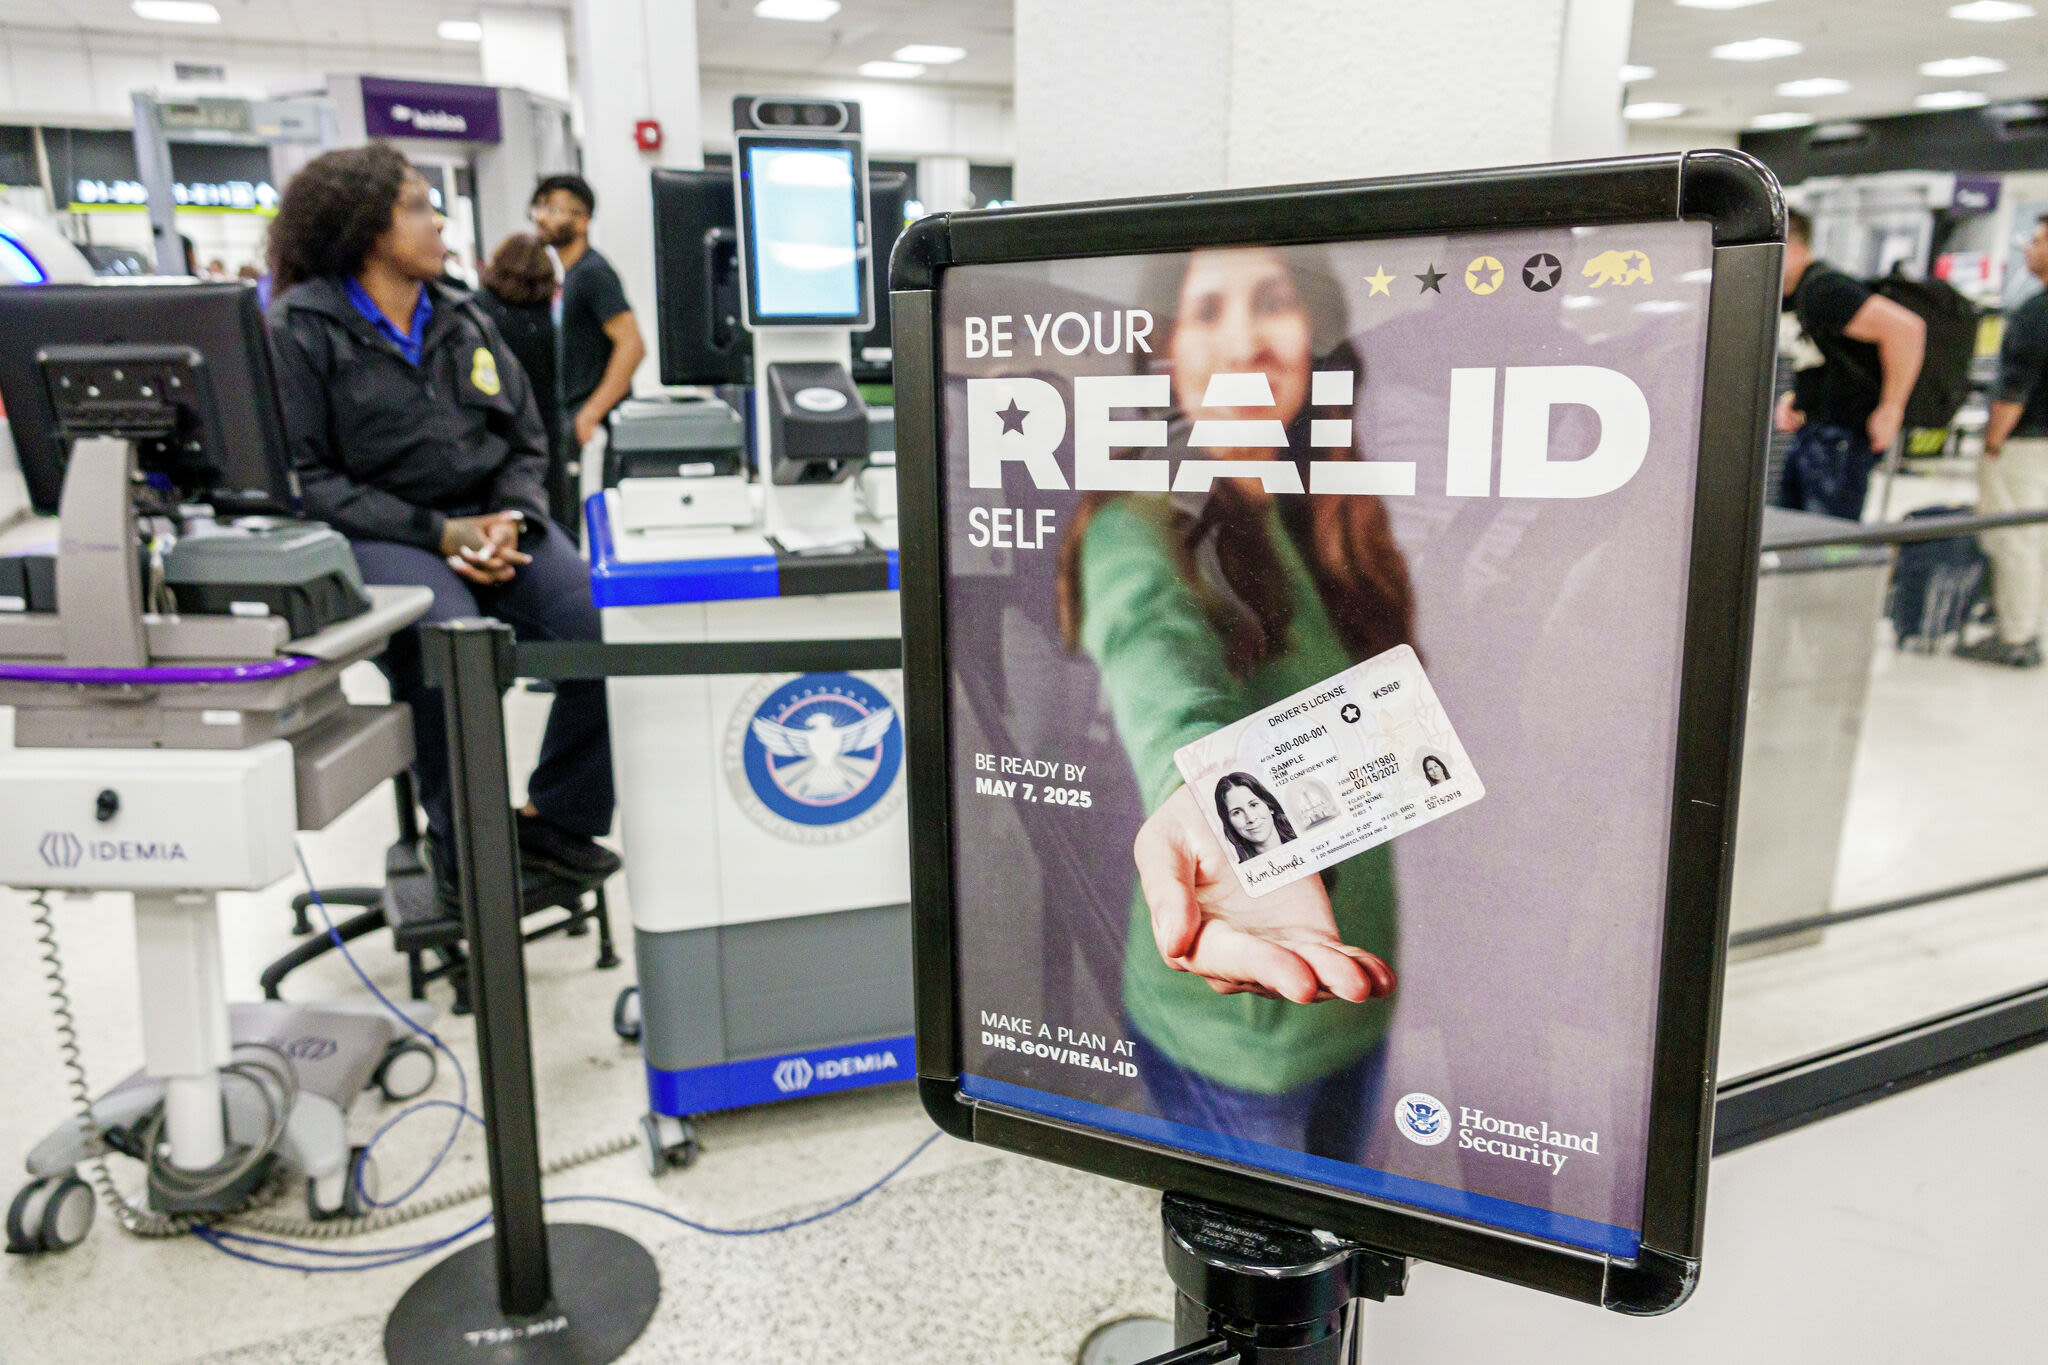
[[333, 212], [520, 270]]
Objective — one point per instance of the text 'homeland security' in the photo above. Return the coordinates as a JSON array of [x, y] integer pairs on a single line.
[[1537, 1143]]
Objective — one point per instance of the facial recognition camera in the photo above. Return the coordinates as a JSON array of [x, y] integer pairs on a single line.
[[806, 262], [797, 114]]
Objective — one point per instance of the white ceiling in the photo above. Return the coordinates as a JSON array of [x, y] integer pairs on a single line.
[[728, 34], [1875, 45], [352, 23]]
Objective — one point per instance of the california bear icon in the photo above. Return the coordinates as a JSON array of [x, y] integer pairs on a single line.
[[1617, 267]]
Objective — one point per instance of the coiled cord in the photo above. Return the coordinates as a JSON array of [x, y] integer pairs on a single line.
[[276, 1082], [140, 1222]]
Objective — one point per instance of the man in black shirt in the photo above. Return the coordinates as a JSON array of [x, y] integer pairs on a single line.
[[2013, 476], [1855, 357], [600, 341]]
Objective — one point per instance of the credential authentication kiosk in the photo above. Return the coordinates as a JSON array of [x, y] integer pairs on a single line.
[[766, 844]]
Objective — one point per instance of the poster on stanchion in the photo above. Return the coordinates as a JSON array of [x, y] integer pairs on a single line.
[[1325, 617]]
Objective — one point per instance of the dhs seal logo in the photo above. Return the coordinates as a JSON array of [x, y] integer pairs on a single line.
[[815, 759], [1422, 1119]]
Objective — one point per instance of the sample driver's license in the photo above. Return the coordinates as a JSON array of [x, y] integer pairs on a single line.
[[1331, 771]]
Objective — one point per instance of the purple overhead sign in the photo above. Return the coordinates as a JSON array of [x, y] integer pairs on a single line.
[[431, 109]]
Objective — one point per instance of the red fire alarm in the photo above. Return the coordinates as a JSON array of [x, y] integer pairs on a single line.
[[647, 134]]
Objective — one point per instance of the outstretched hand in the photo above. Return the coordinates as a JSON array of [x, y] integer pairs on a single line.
[[1282, 945]]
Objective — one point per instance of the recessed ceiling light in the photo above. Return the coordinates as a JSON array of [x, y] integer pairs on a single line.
[[460, 30], [1963, 66], [1651, 109], [1758, 50], [1632, 73], [797, 11], [891, 71], [176, 11], [1783, 118], [1952, 99], [1717, 4], [1813, 87], [929, 54], [1990, 11]]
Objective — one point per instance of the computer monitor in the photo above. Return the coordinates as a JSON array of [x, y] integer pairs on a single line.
[[697, 277], [696, 280], [887, 193], [803, 226], [228, 446]]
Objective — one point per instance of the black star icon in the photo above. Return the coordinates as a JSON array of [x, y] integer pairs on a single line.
[[1350, 711], [1432, 280], [1013, 418], [1540, 271]]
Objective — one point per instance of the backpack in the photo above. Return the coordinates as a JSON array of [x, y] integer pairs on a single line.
[[1951, 320], [1952, 324]]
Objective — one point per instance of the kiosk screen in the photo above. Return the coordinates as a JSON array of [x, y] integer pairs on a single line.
[[1316, 618], [805, 233]]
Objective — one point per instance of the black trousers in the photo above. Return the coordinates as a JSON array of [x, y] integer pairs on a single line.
[[549, 599]]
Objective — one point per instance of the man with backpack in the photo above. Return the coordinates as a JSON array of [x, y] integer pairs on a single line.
[[1856, 357], [2013, 476]]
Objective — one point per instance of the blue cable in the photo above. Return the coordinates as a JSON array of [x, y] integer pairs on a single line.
[[841, 1207], [220, 1238], [461, 1104]]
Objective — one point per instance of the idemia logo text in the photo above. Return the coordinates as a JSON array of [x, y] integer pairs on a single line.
[[1426, 1120], [797, 1073], [65, 850], [815, 758]]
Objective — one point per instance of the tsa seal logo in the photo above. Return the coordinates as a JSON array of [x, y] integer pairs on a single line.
[[1422, 1119], [815, 759]]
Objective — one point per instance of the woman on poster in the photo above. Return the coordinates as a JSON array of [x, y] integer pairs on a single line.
[[1262, 1018]]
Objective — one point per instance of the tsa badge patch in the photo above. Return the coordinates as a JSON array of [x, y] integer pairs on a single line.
[[815, 759]]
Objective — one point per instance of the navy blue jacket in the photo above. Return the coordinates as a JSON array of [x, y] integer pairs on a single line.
[[388, 450]]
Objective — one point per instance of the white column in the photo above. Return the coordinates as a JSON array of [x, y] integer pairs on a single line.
[[942, 184], [1589, 89], [1159, 96], [525, 48], [185, 1038], [635, 59]]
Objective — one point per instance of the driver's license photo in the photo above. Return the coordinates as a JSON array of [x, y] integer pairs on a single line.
[[1329, 772]]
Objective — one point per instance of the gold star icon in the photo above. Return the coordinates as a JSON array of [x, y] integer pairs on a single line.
[[1379, 280], [1484, 275]]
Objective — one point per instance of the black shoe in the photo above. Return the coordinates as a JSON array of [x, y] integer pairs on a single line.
[[547, 847], [1994, 650], [440, 864]]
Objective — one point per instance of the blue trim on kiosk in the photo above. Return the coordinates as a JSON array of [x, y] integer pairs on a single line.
[[784, 1076], [648, 583], [618, 583], [1504, 1214]]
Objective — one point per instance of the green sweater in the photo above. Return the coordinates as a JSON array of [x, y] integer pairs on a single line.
[[1163, 670]]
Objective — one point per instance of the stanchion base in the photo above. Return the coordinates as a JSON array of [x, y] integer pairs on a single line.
[[606, 1287]]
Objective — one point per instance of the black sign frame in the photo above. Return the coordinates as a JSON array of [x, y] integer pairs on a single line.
[[1740, 200]]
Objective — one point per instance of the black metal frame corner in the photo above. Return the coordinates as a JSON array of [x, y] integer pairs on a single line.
[[1740, 201]]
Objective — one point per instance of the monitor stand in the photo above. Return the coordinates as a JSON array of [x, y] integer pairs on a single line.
[[1252, 1290]]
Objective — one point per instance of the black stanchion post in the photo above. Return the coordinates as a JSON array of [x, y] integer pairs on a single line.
[[1261, 1292], [571, 1293]]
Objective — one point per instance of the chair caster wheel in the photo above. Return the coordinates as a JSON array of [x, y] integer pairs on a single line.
[[343, 1195], [626, 1014], [50, 1214], [668, 1143], [407, 1071]]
